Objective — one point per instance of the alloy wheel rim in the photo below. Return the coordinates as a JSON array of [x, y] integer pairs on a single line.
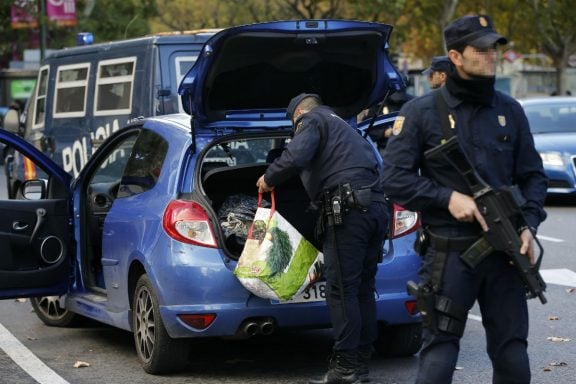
[[145, 326], [50, 306]]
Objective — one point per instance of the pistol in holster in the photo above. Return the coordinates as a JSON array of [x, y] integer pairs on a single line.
[[439, 313], [425, 302]]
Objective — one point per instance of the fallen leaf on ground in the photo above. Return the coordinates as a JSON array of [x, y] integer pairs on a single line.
[[558, 364], [557, 339], [459, 368], [553, 318], [571, 290], [20, 300], [554, 364], [81, 364]]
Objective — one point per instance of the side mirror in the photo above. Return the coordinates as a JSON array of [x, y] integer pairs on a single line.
[[34, 189], [12, 121]]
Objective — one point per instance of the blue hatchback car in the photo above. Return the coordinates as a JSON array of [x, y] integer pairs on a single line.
[[141, 238]]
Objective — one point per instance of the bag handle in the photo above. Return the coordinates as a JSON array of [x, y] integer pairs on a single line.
[[272, 200], [272, 211]]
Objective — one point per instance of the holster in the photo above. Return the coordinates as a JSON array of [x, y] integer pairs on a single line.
[[439, 313], [425, 303]]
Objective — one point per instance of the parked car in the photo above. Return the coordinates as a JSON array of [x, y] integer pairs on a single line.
[[137, 240], [553, 125]]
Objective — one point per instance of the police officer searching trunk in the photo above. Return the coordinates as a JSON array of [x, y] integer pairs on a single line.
[[459, 266], [340, 171]]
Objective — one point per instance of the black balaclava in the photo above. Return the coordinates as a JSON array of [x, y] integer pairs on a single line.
[[477, 90]]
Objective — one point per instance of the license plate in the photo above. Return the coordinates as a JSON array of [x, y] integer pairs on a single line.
[[316, 292]]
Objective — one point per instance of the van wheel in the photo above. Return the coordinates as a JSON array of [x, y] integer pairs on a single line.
[[48, 310], [157, 351], [398, 340]]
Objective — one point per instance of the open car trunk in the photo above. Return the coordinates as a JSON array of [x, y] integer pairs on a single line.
[[258, 68], [226, 183]]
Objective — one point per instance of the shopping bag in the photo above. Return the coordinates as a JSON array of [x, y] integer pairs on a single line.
[[277, 262]]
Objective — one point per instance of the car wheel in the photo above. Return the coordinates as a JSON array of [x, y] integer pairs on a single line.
[[157, 351], [398, 340], [48, 310]]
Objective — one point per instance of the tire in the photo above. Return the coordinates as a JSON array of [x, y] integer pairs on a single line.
[[398, 340], [157, 351], [48, 310]]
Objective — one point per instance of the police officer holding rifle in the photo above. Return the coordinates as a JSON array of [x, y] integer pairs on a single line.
[[478, 242], [340, 171]]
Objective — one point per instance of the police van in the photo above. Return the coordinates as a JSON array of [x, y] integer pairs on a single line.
[[85, 93]]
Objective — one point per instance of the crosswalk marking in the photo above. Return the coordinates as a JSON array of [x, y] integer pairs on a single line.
[[551, 239], [562, 276], [31, 364]]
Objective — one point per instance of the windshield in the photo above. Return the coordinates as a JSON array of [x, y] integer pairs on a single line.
[[551, 118]]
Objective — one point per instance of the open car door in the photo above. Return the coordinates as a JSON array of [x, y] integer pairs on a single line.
[[36, 247]]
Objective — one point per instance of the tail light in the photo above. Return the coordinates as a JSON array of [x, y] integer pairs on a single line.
[[411, 307], [198, 321], [404, 221], [187, 221]]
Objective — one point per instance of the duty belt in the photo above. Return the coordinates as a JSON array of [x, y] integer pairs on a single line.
[[343, 198], [451, 244], [356, 197], [474, 248]]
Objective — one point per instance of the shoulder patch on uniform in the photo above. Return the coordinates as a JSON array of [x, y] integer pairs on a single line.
[[398, 124], [299, 126], [502, 120]]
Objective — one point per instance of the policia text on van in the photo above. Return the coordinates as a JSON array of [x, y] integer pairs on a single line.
[[85, 93]]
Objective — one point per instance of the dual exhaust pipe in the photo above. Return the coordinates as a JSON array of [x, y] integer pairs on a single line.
[[258, 326]]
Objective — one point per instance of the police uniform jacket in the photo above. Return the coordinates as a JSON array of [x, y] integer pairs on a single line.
[[496, 139], [326, 152]]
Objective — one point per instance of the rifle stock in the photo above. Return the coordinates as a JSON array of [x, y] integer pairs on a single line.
[[499, 208]]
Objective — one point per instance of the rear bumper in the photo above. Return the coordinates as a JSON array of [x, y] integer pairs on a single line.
[[230, 317]]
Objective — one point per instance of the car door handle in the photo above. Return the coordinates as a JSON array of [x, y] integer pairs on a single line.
[[19, 225], [40, 214]]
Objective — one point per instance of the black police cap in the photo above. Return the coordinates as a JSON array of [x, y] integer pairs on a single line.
[[439, 64], [477, 31], [297, 100]]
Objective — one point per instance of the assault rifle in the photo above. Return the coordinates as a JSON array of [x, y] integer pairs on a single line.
[[503, 215]]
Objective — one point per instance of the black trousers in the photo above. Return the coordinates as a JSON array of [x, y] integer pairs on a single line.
[[501, 296], [357, 243]]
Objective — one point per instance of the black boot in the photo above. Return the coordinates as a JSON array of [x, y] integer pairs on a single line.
[[342, 370], [364, 356]]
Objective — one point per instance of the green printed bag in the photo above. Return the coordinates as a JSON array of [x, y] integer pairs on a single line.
[[277, 262]]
